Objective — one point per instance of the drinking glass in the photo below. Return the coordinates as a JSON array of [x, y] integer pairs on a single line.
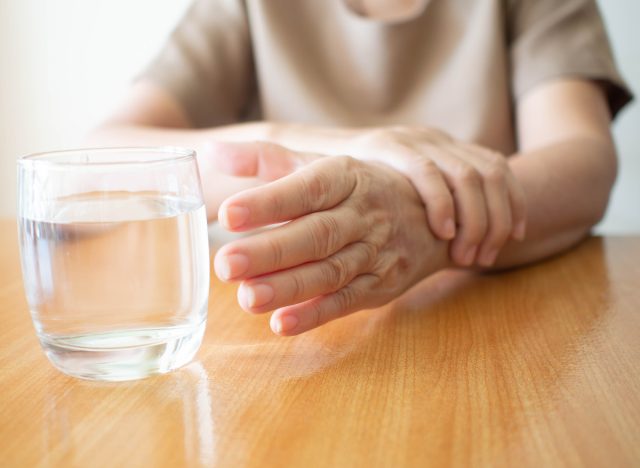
[[115, 258]]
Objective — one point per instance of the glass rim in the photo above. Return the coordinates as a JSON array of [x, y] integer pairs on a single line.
[[166, 154]]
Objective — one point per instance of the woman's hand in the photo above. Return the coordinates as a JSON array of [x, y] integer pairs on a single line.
[[469, 191], [354, 236]]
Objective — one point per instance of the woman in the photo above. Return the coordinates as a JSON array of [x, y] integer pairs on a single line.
[[494, 116]]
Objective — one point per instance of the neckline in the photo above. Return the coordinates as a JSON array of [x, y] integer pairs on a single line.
[[350, 8]]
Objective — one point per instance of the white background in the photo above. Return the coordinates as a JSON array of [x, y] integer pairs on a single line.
[[65, 63]]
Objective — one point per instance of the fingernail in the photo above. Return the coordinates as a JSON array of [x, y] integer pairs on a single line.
[[234, 217], [255, 295], [519, 231], [284, 324], [230, 266], [449, 229], [488, 257], [470, 255]]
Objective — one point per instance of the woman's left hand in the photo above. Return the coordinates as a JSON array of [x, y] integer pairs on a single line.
[[470, 194]]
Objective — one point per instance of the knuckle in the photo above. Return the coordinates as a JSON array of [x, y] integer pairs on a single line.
[[427, 168], [298, 287], [359, 208], [347, 162], [495, 173], [345, 299], [319, 316], [315, 189], [494, 157], [336, 272], [277, 253], [349, 169], [325, 237], [369, 254], [466, 174]]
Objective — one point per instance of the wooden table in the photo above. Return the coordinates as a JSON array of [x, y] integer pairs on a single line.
[[535, 367]]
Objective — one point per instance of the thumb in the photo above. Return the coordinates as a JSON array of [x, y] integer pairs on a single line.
[[260, 159]]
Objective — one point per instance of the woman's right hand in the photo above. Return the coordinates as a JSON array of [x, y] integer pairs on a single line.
[[469, 192], [353, 236]]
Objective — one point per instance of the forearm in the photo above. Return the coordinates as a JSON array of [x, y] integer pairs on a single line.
[[567, 184], [152, 116], [567, 187], [331, 141], [141, 135]]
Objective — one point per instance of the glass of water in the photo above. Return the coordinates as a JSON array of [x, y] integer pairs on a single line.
[[115, 258]]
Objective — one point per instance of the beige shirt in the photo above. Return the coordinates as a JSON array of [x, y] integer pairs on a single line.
[[459, 65]]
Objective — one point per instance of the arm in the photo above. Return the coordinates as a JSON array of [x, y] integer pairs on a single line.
[[346, 247], [566, 164], [343, 250], [150, 116]]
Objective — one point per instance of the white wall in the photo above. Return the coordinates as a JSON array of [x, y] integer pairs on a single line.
[[621, 17], [64, 63]]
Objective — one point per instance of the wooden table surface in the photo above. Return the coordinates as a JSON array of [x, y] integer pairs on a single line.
[[535, 367]]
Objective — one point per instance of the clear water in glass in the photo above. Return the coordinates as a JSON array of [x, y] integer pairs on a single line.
[[117, 281]]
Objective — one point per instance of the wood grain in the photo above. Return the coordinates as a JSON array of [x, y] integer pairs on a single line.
[[534, 367]]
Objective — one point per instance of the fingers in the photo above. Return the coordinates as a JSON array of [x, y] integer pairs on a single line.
[[476, 172], [303, 240], [321, 185], [430, 184], [505, 203], [499, 215], [263, 160], [306, 281], [471, 212], [299, 318], [495, 169]]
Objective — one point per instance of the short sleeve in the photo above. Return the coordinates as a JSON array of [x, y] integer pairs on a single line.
[[206, 63], [553, 39]]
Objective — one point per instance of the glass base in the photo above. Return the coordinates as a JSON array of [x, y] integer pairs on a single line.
[[124, 354]]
